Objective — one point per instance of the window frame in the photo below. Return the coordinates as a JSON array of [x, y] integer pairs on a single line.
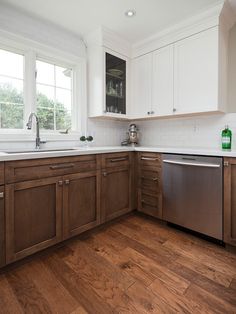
[[33, 51]]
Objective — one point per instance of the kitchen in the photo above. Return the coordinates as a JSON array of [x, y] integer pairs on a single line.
[[117, 156]]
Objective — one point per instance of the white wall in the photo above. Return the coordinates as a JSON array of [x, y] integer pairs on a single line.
[[201, 131]]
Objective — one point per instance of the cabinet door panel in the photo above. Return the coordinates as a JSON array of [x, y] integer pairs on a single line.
[[81, 202], [142, 84], [116, 190], [33, 217], [163, 81], [230, 201], [196, 74], [2, 228]]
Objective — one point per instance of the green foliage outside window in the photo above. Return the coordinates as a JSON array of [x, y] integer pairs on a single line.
[[12, 111]]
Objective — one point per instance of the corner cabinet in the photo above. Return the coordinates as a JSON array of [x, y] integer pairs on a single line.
[[230, 201], [108, 83]]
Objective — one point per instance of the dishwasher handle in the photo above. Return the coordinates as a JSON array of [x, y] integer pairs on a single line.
[[194, 164]]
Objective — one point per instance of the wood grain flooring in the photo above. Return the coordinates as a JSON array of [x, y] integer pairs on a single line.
[[132, 265]]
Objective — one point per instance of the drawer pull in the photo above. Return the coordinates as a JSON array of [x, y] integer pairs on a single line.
[[60, 183], [149, 158], [104, 174], [153, 179], [67, 182], [1, 195], [62, 166], [118, 159]]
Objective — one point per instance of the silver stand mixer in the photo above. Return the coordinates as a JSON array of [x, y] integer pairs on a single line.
[[132, 136]]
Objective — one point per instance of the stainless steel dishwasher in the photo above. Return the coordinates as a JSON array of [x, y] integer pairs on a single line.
[[192, 193]]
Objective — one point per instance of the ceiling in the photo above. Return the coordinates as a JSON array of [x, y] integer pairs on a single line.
[[83, 16]]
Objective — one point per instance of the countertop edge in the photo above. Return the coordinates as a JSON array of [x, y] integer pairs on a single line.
[[116, 149]]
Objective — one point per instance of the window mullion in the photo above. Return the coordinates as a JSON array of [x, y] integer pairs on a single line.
[[29, 84]]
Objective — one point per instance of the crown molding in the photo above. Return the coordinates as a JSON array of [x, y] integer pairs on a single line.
[[104, 37], [190, 26]]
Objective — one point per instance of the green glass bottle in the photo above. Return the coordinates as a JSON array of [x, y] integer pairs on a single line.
[[226, 137]]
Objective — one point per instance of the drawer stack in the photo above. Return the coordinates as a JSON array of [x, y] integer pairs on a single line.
[[150, 184]]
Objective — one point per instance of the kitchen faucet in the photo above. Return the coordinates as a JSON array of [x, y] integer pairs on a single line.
[[29, 127]]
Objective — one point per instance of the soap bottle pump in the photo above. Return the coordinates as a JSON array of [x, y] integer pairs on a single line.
[[226, 138]]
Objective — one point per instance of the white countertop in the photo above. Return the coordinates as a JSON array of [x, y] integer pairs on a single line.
[[115, 149]]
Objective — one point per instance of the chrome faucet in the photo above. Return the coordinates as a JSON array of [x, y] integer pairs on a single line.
[[29, 127]]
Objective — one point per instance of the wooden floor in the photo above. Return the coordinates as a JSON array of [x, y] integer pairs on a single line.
[[134, 265]]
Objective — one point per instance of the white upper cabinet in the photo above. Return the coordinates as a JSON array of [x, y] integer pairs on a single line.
[[141, 86], [196, 73], [162, 81], [108, 75]]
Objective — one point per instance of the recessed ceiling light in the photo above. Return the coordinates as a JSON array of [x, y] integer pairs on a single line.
[[130, 13]]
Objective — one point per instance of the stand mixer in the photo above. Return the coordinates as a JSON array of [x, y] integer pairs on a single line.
[[132, 136]]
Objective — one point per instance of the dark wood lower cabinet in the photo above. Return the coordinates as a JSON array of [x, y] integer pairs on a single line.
[[2, 228], [230, 201], [81, 202], [116, 192], [33, 216], [150, 184]]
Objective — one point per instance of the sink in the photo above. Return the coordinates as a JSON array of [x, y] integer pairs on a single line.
[[39, 151]]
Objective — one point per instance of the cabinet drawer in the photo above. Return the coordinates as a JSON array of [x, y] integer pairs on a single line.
[[38, 168], [115, 160], [150, 180], [149, 160], [150, 204]]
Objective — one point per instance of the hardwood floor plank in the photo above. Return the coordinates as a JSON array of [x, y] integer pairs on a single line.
[[81, 291], [206, 271], [179, 302], [8, 301], [57, 296], [226, 294], [27, 294], [84, 257], [147, 301], [156, 251], [211, 302], [169, 278], [116, 257], [233, 284], [191, 251]]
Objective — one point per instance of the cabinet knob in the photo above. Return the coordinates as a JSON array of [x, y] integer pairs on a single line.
[[67, 182], [1, 195], [226, 163], [174, 109], [60, 183], [152, 112], [148, 112], [104, 174]]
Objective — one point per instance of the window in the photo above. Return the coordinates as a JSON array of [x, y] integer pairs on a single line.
[[54, 96], [44, 80], [11, 90]]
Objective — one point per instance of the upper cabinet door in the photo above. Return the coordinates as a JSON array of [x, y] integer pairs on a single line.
[[196, 73], [115, 84], [142, 84], [162, 84]]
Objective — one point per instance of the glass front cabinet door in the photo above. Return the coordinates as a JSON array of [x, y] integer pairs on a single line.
[[116, 69]]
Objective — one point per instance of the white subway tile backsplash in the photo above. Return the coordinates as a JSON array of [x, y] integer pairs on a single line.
[[202, 131]]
